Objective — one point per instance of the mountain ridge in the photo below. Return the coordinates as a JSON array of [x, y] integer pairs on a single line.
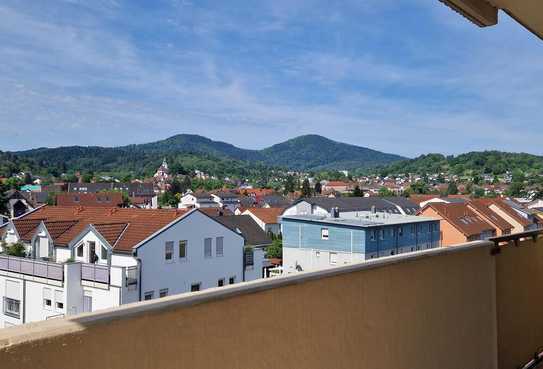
[[307, 152]]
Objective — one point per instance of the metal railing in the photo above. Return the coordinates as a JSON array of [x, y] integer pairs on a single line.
[[514, 238], [95, 273], [32, 267]]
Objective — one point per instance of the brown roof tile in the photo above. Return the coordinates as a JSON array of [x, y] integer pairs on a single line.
[[139, 223], [462, 218], [267, 215]]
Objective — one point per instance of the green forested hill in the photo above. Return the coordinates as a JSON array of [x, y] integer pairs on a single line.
[[483, 162], [197, 152]]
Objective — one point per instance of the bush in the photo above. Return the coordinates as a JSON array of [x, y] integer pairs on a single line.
[[15, 249], [275, 250]]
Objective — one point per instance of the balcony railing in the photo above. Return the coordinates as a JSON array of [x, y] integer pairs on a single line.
[[95, 273], [32, 267]]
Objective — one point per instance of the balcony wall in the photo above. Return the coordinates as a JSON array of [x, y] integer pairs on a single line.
[[436, 309]]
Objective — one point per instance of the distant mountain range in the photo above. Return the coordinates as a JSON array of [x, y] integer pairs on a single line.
[[310, 152]]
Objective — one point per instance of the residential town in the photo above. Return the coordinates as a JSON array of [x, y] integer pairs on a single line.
[[78, 247], [274, 184]]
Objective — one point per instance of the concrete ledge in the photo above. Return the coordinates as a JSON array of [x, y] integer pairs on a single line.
[[57, 327]]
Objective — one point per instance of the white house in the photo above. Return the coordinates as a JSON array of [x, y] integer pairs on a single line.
[[226, 200], [83, 259], [197, 200]]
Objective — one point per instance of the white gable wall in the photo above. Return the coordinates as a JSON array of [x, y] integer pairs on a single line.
[[179, 274]]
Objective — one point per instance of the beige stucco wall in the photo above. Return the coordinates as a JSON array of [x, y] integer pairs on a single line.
[[519, 278], [424, 312]]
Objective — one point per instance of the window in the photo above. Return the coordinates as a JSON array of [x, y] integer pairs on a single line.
[[59, 300], [148, 295], [317, 254], [104, 253], [195, 287], [231, 280], [333, 258], [220, 282], [12, 307], [372, 235], [219, 246], [163, 292], [324, 233], [47, 301], [92, 252], [182, 249], [168, 250], [80, 251], [207, 247]]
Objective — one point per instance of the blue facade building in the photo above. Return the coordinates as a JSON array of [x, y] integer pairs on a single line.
[[314, 242]]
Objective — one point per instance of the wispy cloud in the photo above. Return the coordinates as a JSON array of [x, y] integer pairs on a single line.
[[113, 72]]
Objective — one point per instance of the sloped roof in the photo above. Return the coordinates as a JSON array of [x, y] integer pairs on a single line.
[[489, 215], [139, 223], [247, 227], [267, 215], [461, 217], [103, 199], [506, 209]]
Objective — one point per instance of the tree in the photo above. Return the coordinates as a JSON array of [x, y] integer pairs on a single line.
[[452, 189], [28, 178], [318, 187], [478, 192], [275, 250], [385, 192], [306, 188], [357, 192], [290, 185], [419, 188], [168, 199], [516, 189]]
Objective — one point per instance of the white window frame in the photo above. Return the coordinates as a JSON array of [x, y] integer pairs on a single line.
[[199, 284], [332, 258], [163, 292], [47, 296], [232, 279], [223, 280], [14, 302], [325, 234], [185, 243], [168, 251], [208, 247], [221, 249], [151, 295]]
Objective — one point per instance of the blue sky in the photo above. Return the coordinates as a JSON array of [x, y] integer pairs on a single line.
[[407, 77]]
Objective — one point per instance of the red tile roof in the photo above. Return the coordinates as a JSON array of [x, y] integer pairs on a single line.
[[461, 217], [489, 215], [102, 199], [506, 209], [123, 228], [267, 215]]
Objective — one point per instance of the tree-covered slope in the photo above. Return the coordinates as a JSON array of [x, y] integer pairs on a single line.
[[305, 152], [482, 162], [317, 152]]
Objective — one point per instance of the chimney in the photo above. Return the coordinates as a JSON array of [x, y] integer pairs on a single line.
[[335, 212]]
